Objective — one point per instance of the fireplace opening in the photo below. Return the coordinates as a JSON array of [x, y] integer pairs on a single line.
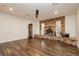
[[49, 31]]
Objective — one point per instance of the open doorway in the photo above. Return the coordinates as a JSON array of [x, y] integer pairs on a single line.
[[30, 31]]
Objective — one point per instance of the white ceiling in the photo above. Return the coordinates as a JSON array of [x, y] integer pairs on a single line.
[[46, 10]]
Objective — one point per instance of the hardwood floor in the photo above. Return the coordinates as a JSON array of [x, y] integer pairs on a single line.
[[37, 47]]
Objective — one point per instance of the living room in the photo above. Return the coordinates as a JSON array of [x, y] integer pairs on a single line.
[[39, 29]]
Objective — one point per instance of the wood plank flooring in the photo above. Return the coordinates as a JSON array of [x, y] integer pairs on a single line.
[[37, 47]]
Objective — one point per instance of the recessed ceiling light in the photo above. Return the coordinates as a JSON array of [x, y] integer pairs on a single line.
[[11, 9], [56, 12]]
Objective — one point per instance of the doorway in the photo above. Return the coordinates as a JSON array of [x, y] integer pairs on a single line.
[[58, 28], [30, 31]]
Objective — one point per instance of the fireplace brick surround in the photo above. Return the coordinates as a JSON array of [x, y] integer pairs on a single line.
[[52, 23]]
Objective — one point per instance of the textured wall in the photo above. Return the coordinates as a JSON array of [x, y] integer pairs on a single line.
[[52, 23]]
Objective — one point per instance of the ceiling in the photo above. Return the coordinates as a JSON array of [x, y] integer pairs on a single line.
[[46, 10]]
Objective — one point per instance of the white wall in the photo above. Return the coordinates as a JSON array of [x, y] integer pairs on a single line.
[[42, 29], [77, 28], [12, 28], [77, 24], [70, 26], [36, 27]]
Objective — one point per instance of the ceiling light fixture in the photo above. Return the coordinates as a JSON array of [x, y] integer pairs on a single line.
[[56, 12], [37, 13], [11, 9]]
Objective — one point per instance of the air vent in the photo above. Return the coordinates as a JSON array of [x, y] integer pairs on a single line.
[[54, 4]]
